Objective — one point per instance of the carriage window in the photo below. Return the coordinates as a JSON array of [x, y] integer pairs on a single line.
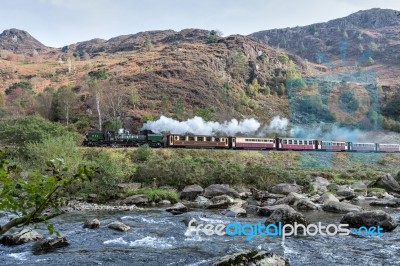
[[217, 139], [191, 138], [300, 142], [290, 141], [182, 138], [284, 141], [295, 142], [200, 138], [208, 138]]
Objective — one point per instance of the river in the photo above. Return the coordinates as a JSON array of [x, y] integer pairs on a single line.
[[157, 238]]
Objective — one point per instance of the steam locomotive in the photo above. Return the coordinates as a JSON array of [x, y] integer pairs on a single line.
[[123, 138]]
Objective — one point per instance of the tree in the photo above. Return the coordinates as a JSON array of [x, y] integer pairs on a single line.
[[66, 100], [204, 113], [29, 197], [134, 96], [214, 36], [148, 44], [97, 93], [117, 98], [236, 63], [253, 88], [267, 90], [165, 104], [44, 102], [179, 107]]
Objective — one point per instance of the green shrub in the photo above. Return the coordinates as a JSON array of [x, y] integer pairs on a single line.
[[144, 152], [33, 154], [22, 130]]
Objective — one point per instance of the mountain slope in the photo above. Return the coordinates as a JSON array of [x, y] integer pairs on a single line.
[[19, 41], [369, 38]]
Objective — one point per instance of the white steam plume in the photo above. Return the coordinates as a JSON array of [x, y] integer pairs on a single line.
[[277, 125], [198, 126]]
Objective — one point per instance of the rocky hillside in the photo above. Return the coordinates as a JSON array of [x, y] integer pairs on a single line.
[[21, 42], [169, 72], [368, 38]]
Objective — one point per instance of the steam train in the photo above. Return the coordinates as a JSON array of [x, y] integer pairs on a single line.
[[123, 138]]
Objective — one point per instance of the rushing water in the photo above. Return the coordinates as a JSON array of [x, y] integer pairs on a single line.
[[157, 238]]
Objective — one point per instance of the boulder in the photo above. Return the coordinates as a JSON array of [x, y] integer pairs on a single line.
[[286, 215], [340, 207], [177, 208], [220, 189], [333, 187], [240, 203], [370, 218], [395, 203], [191, 192], [327, 197], [92, 224], [268, 210], [358, 185], [235, 211], [387, 182], [138, 200], [252, 258], [244, 195], [290, 199], [285, 188], [346, 193], [164, 203], [118, 226], [219, 202], [48, 245], [306, 204], [21, 237], [320, 184]]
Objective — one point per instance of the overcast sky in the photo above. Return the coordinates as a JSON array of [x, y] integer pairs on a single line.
[[60, 22]]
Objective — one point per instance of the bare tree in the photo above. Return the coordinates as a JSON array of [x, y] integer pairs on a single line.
[[66, 99], [97, 91]]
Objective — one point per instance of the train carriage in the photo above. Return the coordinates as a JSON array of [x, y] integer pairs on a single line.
[[298, 144], [253, 143], [186, 141], [333, 145], [388, 147], [362, 147]]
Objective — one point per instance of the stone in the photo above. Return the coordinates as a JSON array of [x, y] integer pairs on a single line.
[[358, 185], [92, 224], [191, 192], [306, 204], [320, 184], [286, 215], [268, 210], [387, 182], [138, 200], [340, 207], [290, 199], [219, 202], [252, 258], [346, 193], [119, 226], [129, 186], [370, 218], [21, 237], [235, 211], [177, 208], [395, 203], [164, 203], [49, 245], [220, 189], [327, 197], [285, 188]]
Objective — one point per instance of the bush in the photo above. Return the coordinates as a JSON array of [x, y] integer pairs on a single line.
[[33, 154], [30, 129], [22, 84]]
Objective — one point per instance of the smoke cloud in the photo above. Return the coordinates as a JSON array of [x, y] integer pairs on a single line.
[[198, 126]]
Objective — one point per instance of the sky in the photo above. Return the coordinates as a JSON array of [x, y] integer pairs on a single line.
[[57, 23]]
